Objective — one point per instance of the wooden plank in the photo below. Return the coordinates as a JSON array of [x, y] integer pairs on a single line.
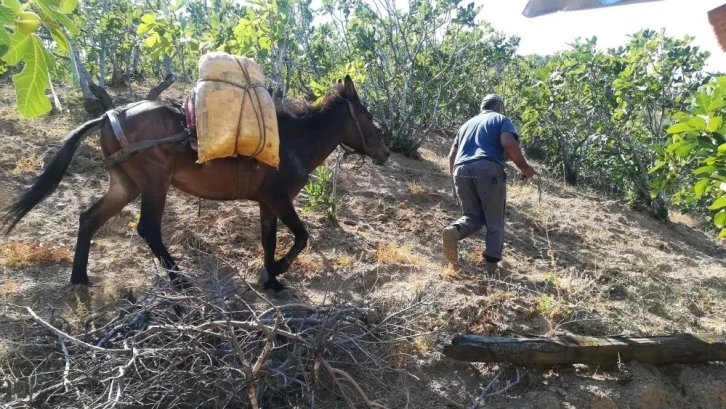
[[683, 348], [717, 18], [536, 8]]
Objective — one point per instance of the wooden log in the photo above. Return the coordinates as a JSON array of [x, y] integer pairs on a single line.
[[683, 348]]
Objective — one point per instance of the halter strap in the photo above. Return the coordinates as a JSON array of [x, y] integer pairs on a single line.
[[349, 149]]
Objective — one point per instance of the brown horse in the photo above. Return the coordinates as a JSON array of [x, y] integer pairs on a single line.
[[308, 135]]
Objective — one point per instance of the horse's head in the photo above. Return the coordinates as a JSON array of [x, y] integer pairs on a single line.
[[362, 135]]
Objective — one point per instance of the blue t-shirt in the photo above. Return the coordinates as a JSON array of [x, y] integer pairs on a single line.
[[478, 138]]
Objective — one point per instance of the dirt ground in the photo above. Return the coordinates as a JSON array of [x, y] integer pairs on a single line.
[[575, 264]]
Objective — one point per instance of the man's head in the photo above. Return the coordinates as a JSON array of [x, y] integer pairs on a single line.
[[492, 102]]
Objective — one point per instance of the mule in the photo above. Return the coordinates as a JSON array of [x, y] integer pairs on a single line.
[[308, 135]]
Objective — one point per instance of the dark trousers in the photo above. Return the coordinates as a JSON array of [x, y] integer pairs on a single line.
[[482, 190]]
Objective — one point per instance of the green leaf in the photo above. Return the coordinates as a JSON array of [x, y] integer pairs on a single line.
[[720, 219], [6, 15], [143, 28], [152, 40], [13, 5], [49, 3], [6, 18], [722, 234], [681, 127], [685, 149], [58, 16], [698, 123], [659, 164], [20, 45], [700, 187], [148, 18], [705, 169], [703, 100], [714, 124], [716, 104], [720, 203], [722, 148], [59, 37], [31, 83]]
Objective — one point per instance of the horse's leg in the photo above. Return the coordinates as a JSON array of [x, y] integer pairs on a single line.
[[120, 192], [286, 212], [153, 200], [268, 229]]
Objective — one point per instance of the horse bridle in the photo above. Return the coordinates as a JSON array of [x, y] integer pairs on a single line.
[[348, 150]]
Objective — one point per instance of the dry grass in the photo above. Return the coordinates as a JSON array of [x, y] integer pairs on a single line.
[[17, 254], [415, 188], [343, 259], [9, 288], [684, 219], [27, 164], [390, 253], [310, 263], [476, 258]]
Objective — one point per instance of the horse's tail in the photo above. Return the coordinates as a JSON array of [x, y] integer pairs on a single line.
[[49, 180]]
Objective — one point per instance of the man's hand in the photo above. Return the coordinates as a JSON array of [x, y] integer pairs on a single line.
[[528, 172]]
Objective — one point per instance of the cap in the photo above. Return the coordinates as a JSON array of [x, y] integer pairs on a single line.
[[489, 98]]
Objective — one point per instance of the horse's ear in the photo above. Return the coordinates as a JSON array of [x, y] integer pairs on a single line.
[[350, 88], [339, 81]]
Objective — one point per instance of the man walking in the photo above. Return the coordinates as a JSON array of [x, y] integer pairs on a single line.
[[476, 162]]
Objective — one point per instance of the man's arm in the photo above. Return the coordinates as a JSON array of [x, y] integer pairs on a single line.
[[511, 147]]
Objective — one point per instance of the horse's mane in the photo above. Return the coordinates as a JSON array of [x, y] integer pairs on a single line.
[[301, 109]]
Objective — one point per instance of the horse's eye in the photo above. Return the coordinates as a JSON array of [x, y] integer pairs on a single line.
[[369, 116]]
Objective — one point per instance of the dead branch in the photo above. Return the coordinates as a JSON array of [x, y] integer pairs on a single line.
[[216, 347]]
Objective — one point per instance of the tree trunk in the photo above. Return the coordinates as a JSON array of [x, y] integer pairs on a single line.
[[129, 72], [135, 67], [102, 55], [571, 174], [166, 83], [95, 99], [183, 62], [659, 207]]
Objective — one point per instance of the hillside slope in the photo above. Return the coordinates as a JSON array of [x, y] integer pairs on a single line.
[[575, 263]]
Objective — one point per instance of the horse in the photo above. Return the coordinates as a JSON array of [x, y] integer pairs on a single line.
[[308, 135]]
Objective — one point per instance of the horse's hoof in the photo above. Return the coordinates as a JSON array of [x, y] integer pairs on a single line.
[[284, 294], [279, 290], [262, 276], [81, 288]]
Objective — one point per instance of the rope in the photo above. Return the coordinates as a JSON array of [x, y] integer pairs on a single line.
[[260, 122]]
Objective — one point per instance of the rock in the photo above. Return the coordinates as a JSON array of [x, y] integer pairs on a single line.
[[560, 391]]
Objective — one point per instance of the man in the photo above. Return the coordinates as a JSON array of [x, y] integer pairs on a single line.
[[476, 162]]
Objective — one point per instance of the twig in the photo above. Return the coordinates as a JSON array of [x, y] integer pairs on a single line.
[[486, 389], [73, 340], [334, 372], [67, 369]]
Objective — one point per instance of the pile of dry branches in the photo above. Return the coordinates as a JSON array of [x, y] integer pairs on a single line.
[[223, 346]]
